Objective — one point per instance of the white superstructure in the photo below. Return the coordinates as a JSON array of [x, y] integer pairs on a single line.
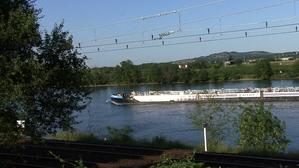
[[220, 94]]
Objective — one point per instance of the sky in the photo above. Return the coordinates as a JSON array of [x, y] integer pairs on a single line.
[[95, 24]]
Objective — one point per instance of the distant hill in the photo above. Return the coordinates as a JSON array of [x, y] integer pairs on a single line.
[[237, 56]]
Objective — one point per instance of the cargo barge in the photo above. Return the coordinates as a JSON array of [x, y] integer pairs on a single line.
[[245, 94]]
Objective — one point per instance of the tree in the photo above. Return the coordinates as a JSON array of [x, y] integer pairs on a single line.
[[154, 73], [41, 79], [219, 117], [57, 91], [260, 131], [214, 73], [263, 70], [185, 75], [19, 36], [295, 68], [169, 73], [129, 72]]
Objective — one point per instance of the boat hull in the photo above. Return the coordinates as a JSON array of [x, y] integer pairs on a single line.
[[197, 96]]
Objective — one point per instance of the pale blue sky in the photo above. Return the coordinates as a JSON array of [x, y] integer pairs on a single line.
[[85, 20]]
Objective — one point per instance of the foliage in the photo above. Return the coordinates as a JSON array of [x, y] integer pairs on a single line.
[[120, 135], [219, 147], [167, 162], [129, 73], [75, 136], [41, 77], [57, 92], [65, 163], [261, 131], [9, 130], [263, 70], [198, 71], [295, 69], [18, 36], [204, 69], [219, 117]]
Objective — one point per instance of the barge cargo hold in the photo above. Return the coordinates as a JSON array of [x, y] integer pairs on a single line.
[[246, 94]]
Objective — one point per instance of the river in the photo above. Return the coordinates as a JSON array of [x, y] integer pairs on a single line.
[[171, 120]]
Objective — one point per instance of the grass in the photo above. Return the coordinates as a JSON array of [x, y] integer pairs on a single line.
[[123, 137], [75, 136], [155, 142]]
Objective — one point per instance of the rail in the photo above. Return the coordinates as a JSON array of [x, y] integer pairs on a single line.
[[234, 160]]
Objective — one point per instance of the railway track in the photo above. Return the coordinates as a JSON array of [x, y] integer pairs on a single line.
[[28, 155], [39, 156], [242, 161], [98, 147]]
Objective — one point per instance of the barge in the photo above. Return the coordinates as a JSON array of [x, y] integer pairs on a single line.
[[245, 94]]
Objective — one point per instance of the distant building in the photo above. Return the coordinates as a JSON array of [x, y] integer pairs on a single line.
[[286, 59], [252, 60], [226, 63], [183, 66]]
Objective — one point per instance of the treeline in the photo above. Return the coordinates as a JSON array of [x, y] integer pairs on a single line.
[[199, 71]]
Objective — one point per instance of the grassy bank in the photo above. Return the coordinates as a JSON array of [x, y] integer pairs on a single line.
[[162, 143], [120, 139]]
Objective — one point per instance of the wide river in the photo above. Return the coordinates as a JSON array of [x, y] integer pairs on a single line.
[[171, 120]]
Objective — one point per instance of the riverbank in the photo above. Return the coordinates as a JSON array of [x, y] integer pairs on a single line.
[[173, 83], [163, 143]]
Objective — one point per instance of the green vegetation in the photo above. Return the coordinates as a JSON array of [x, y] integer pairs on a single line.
[[260, 131], [41, 75], [256, 129], [64, 163], [198, 71], [167, 162], [75, 136], [120, 136], [220, 118], [263, 70]]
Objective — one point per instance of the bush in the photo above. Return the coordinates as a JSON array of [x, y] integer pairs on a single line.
[[261, 131], [167, 162]]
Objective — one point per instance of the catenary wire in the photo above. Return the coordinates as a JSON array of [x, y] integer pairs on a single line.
[[194, 41], [203, 19], [192, 35]]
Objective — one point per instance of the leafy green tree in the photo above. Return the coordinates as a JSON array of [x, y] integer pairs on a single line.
[[41, 79], [56, 91], [219, 117], [19, 36], [295, 69], [185, 75], [263, 70], [261, 131], [225, 74], [129, 71], [214, 73], [152, 73], [169, 73], [203, 75]]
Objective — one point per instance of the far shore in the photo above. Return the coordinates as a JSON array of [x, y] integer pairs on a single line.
[[153, 83]]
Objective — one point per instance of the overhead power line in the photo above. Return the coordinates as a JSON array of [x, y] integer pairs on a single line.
[[266, 26], [198, 20], [240, 12], [149, 16], [195, 41]]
